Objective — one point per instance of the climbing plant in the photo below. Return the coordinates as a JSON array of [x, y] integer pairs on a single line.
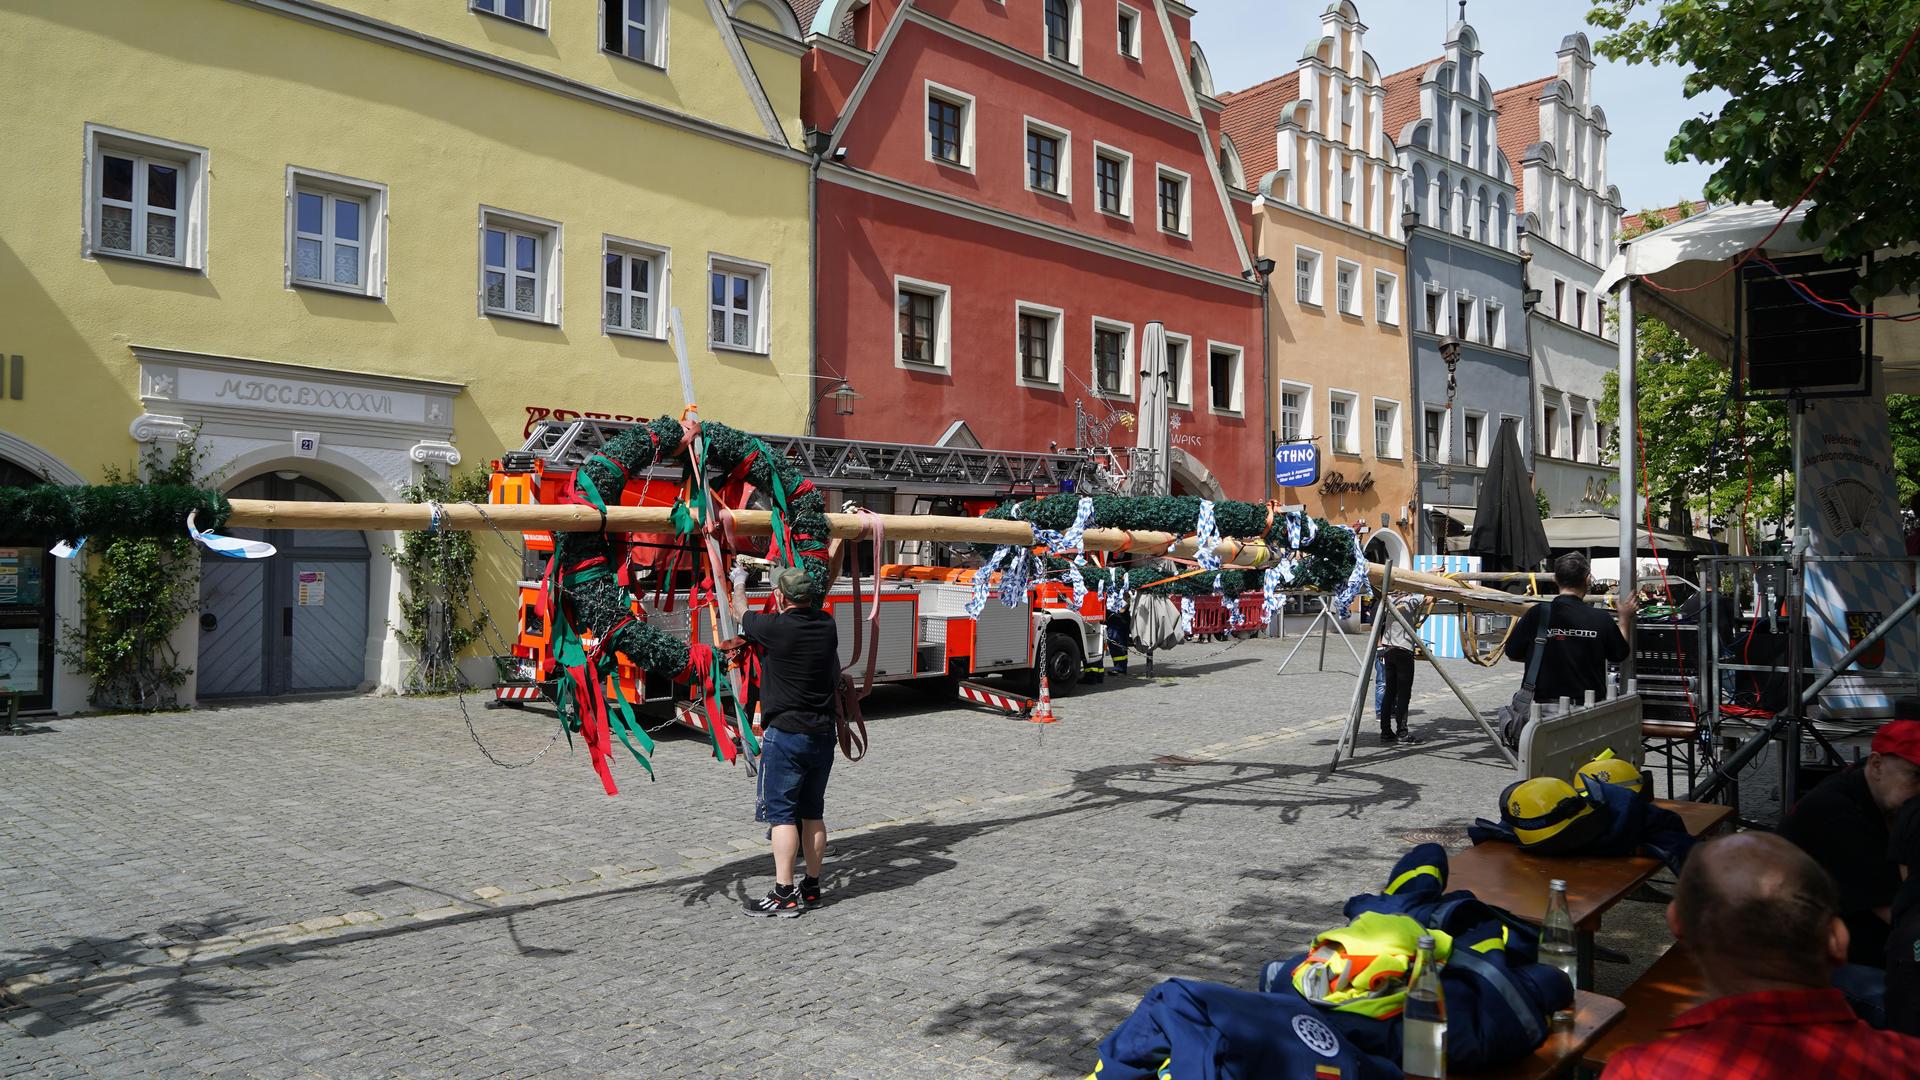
[[135, 591], [438, 619]]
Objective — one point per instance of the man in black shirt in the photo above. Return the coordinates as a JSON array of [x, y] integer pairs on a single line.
[[1581, 640], [1844, 824], [799, 675]]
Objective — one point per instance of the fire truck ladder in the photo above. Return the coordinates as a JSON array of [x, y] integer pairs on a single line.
[[842, 463]]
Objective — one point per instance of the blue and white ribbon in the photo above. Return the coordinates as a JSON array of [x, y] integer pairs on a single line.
[[231, 546], [64, 550], [1356, 584], [983, 580], [1013, 580], [1071, 541], [1206, 536], [1270, 599], [1186, 616]]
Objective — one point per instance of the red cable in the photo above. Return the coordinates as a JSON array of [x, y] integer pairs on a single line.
[[1817, 177]]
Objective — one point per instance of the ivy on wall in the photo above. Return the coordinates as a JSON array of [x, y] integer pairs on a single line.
[[438, 619], [135, 590]]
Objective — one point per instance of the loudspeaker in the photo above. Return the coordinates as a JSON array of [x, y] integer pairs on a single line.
[[1790, 344]]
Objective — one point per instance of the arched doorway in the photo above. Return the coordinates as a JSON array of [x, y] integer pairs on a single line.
[[26, 609], [294, 623]]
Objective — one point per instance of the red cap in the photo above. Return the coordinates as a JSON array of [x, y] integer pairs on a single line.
[[1901, 738]]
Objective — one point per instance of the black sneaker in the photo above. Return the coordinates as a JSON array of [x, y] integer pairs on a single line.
[[810, 892], [1410, 740], [776, 904], [1388, 738]]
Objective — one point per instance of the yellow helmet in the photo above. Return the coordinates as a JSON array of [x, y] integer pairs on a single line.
[[1610, 770], [1547, 816]]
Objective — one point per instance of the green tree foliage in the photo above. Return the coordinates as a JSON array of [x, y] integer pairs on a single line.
[[1797, 73], [134, 592], [437, 608]]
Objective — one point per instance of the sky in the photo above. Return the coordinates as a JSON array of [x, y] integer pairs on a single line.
[[1250, 41]]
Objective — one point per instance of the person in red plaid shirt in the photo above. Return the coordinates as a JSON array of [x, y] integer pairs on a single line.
[[1762, 920]]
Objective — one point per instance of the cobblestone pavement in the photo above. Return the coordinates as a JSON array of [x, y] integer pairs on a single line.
[[347, 888]]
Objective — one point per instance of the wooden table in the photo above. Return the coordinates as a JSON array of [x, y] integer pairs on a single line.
[[1504, 876], [1565, 1048], [1670, 987]]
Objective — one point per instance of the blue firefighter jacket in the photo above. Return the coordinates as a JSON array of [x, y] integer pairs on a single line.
[[1634, 827], [1498, 997], [1186, 1030]]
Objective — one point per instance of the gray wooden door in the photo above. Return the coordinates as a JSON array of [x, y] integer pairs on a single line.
[[295, 622]]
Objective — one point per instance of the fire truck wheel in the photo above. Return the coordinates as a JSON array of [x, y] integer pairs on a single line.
[[1065, 664]]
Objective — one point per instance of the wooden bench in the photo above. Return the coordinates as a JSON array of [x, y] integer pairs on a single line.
[[1593, 1016], [1670, 987]]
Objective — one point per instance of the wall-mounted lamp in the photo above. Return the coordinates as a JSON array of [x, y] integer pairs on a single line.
[[1408, 220], [1530, 298], [843, 398]]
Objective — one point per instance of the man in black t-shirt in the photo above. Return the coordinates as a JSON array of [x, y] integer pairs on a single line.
[[1581, 640], [799, 675]]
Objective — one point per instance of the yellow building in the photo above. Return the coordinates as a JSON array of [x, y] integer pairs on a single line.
[[1327, 212], [350, 241]]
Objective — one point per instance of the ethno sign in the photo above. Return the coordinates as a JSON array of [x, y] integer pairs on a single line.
[[1338, 484]]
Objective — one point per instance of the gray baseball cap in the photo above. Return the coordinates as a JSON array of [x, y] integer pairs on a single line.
[[795, 585]]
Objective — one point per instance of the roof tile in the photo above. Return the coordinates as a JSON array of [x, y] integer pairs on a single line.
[[1519, 125], [1403, 98], [1249, 119]]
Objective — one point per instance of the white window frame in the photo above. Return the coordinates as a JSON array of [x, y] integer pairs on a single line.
[[758, 317], [937, 92], [1519, 432], [1550, 432], [1352, 270], [1303, 416], [942, 297], [548, 272], [1237, 395], [536, 12], [1433, 325], [1056, 342], [1393, 297], [661, 258], [1130, 50], [1352, 400], [1073, 35], [1163, 172], [1127, 363], [1393, 451], [1064, 166], [1580, 309], [1578, 417], [1493, 315], [1428, 408], [373, 230], [1183, 377], [1464, 333], [190, 228], [1313, 274], [1478, 454], [1559, 293], [1101, 150], [655, 26]]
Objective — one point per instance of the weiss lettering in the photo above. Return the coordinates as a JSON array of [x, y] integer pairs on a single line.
[[306, 397]]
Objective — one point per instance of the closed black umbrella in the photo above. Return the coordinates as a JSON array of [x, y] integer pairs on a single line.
[[1507, 534]]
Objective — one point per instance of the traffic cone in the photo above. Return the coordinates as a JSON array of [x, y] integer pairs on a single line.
[[1043, 709]]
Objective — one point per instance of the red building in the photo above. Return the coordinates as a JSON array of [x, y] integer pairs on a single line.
[[1010, 190]]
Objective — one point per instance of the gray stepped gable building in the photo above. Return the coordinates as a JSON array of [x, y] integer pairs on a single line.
[[1569, 229], [1464, 275]]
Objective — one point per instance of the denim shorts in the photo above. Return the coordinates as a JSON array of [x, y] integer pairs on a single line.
[[793, 776]]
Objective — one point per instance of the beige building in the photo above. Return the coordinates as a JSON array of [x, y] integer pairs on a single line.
[[1327, 213]]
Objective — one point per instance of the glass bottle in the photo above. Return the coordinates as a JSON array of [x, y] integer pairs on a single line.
[[1423, 1037], [1558, 946]]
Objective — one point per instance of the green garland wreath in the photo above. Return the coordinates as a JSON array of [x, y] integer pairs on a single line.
[[1327, 560], [45, 513], [601, 602]]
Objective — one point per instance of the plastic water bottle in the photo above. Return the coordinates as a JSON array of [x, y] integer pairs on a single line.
[[1558, 947], [1423, 1038]]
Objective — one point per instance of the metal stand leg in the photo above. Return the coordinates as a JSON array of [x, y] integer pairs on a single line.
[[1323, 622], [1394, 613]]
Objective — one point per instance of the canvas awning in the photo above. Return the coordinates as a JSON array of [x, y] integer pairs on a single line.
[[1600, 531], [1684, 256]]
